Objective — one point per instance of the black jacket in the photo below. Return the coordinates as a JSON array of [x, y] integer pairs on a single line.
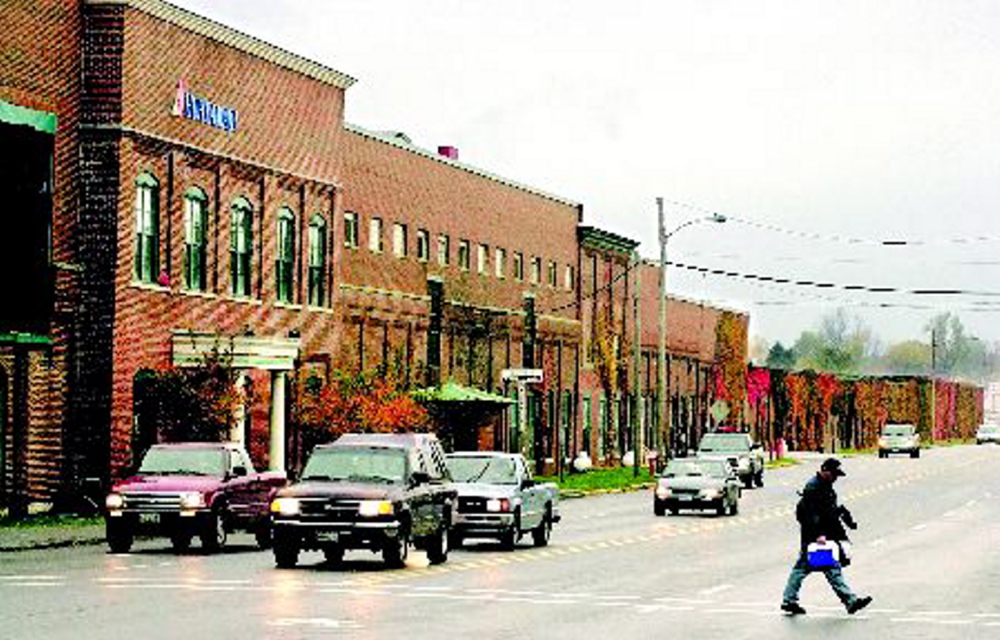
[[818, 512]]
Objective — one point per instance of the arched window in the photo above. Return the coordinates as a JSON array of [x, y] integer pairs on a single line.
[[241, 247], [285, 271], [195, 243], [317, 261], [147, 228]]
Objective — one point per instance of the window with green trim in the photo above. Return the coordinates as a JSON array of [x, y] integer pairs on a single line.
[[195, 244], [147, 228], [241, 247], [317, 261], [587, 424], [285, 262]]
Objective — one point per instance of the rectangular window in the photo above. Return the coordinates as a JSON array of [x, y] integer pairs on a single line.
[[399, 240], [147, 229], [552, 273], [484, 259], [423, 245], [500, 262], [241, 248], [195, 245], [444, 250], [518, 266], [464, 259], [375, 235], [351, 230], [536, 270], [570, 279], [285, 267], [317, 261]]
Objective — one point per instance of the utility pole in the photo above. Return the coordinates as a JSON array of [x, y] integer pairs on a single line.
[[637, 416], [663, 419]]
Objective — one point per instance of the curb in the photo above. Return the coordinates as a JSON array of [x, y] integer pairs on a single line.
[[570, 494], [28, 539]]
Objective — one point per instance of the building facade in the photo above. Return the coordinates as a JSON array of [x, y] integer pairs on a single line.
[[173, 202]]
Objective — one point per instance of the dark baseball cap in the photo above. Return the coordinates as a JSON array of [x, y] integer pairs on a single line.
[[833, 466]]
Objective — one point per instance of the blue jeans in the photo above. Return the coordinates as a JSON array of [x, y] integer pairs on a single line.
[[833, 575]]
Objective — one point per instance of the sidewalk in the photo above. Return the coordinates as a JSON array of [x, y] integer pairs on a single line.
[[49, 536]]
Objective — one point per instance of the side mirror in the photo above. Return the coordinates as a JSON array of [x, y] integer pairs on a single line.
[[756, 446], [239, 471], [420, 477]]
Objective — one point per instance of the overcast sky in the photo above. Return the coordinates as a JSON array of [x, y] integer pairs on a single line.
[[820, 129]]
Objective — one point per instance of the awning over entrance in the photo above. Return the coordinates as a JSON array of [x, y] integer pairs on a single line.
[[39, 120], [453, 393]]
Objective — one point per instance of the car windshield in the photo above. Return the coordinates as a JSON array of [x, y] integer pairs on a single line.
[[183, 462], [711, 468], [487, 469], [898, 431], [724, 443], [358, 464]]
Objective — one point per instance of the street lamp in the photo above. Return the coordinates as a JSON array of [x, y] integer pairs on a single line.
[[664, 418]]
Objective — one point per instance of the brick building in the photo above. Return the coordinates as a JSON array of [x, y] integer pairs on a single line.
[[174, 202]]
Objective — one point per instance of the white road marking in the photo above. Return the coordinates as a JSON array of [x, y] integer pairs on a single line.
[[33, 584], [925, 620], [684, 600], [319, 623], [918, 527], [714, 590], [31, 577], [878, 542], [986, 615]]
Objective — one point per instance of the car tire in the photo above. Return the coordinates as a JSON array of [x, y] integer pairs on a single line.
[[396, 551], [659, 508], [722, 509], [120, 537], [213, 535], [758, 478], [438, 547], [748, 481], [540, 535], [915, 454], [333, 555], [286, 551], [455, 539]]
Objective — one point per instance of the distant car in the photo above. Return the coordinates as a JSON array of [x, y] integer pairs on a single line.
[[697, 483], [989, 432], [899, 438], [740, 451]]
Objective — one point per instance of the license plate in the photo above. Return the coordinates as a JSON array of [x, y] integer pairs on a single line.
[[149, 518], [684, 498], [327, 536]]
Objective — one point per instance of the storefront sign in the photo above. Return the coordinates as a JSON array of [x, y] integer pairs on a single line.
[[187, 105]]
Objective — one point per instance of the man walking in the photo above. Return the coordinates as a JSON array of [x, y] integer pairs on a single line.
[[821, 519]]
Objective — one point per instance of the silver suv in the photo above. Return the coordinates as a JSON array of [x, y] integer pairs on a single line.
[[899, 438], [738, 449]]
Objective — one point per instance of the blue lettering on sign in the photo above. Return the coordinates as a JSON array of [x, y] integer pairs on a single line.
[[201, 110]]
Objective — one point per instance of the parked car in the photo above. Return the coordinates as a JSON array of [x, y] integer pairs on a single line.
[[899, 438], [381, 492], [498, 498], [740, 451], [192, 489], [697, 483], [988, 432]]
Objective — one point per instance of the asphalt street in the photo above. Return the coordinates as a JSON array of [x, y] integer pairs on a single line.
[[926, 550]]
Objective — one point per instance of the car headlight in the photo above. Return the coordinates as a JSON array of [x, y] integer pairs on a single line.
[[882, 442], [662, 492], [498, 504], [286, 506], [193, 500], [372, 508], [114, 501]]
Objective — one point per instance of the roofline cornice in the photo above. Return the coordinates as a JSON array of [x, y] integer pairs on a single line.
[[226, 35]]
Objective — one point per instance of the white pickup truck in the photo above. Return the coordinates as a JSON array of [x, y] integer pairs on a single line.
[[498, 498]]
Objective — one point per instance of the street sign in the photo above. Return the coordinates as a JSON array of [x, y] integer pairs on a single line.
[[530, 376]]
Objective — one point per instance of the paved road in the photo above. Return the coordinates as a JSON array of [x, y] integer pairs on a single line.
[[926, 551]]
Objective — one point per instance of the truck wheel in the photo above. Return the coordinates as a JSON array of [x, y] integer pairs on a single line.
[[120, 537], [758, 478], [213, 535], [748, 481], [540, 535], [286, 552], [333, 555], [508, 538], [722, 509], [659, 508], [395, 552], [180, 541], [915, 454], [437, 548]]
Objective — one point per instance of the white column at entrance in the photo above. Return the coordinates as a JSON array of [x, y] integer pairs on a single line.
[[277, 453], [236, 433]]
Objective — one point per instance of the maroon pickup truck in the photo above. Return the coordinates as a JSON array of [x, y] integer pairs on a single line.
[[192, 489]]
